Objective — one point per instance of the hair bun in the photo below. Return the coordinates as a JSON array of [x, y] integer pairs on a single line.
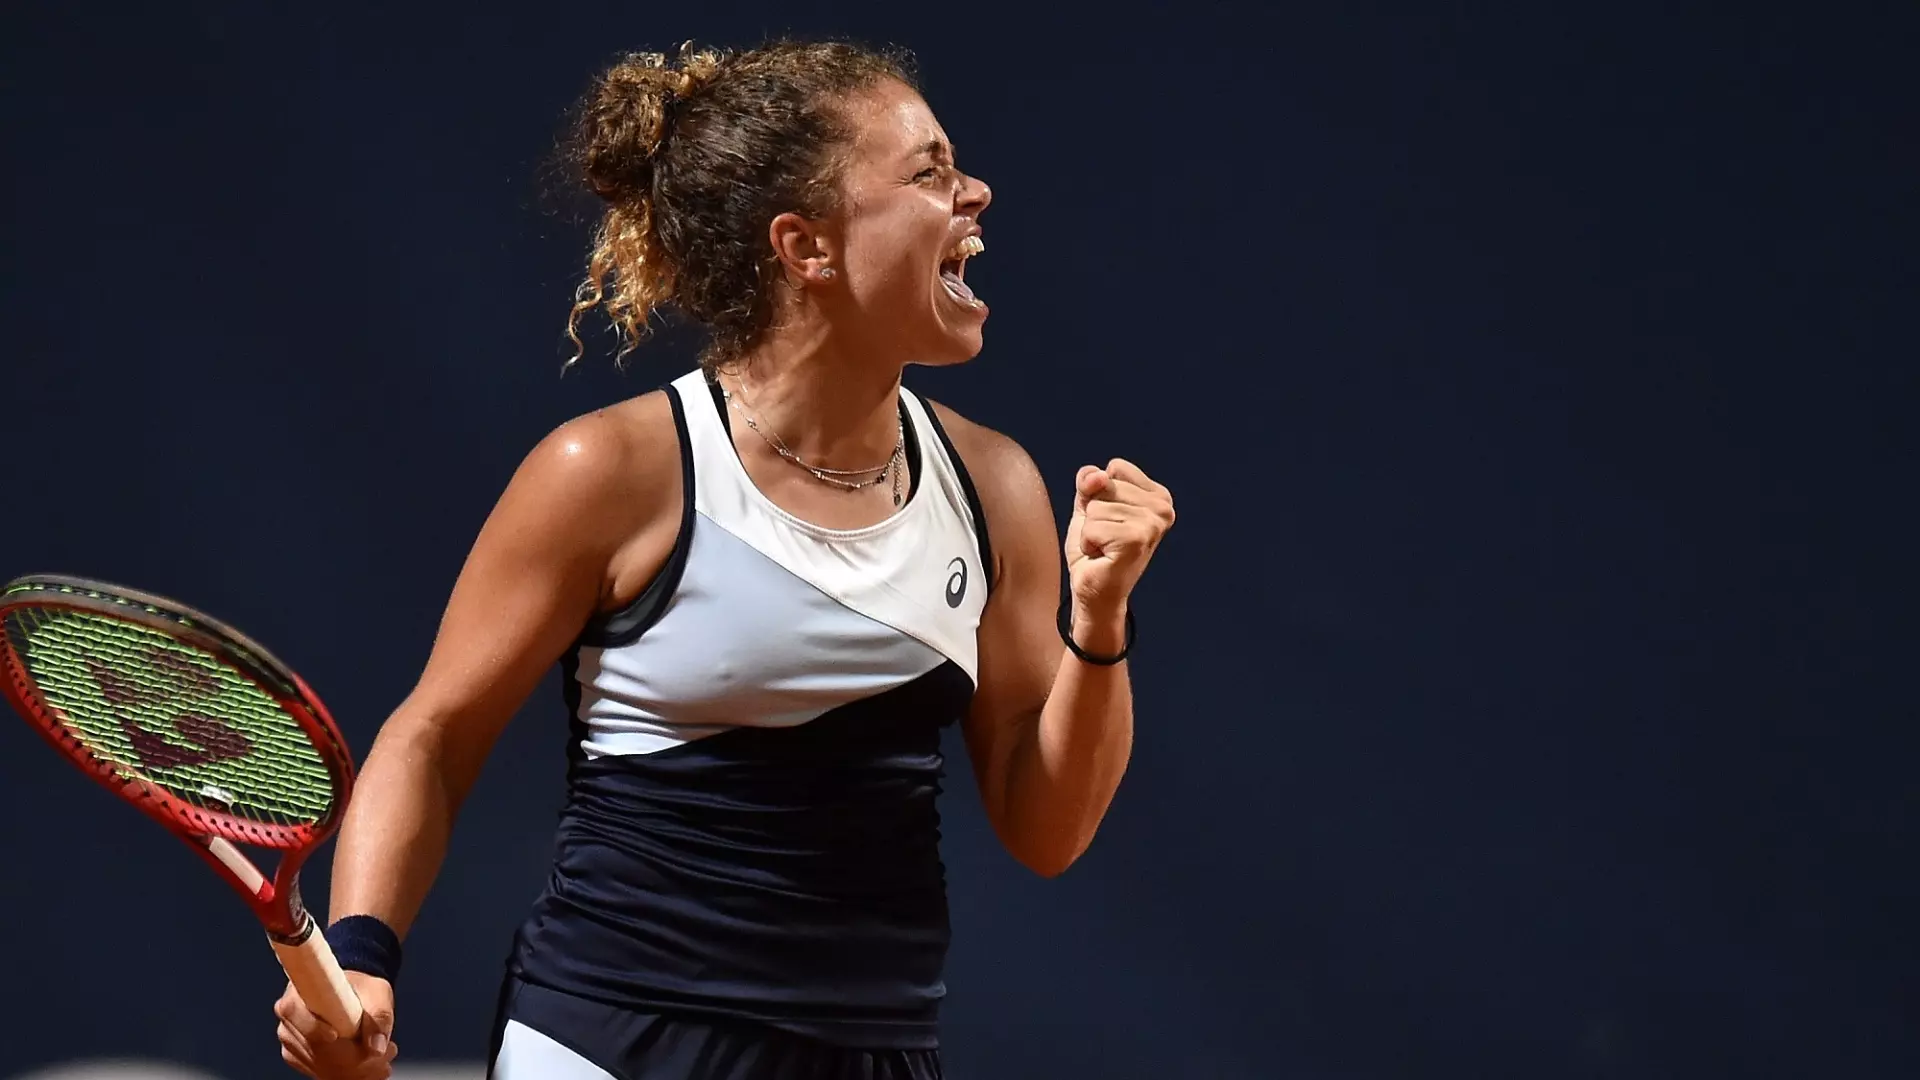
[[693, 156], [627, 119]]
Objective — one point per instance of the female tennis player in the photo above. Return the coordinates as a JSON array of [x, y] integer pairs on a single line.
[[770, 585]]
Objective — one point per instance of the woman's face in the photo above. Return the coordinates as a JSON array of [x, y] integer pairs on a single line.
[[907, 214]]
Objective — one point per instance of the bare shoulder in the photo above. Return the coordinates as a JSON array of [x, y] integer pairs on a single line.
[[1013, 495], [1002, 471], [608, 470], [604, 442]]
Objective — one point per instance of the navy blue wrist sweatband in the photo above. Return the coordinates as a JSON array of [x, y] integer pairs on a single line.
[[365, 944]]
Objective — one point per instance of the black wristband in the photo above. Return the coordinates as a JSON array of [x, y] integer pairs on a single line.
[[1066, 635], [363, 943]]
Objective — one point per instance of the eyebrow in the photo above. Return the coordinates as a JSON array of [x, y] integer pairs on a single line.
[[934, 148]]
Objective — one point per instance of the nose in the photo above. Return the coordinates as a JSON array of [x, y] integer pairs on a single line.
[[975, 195]]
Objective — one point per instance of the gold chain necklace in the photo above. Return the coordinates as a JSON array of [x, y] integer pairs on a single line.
[[890, 469]]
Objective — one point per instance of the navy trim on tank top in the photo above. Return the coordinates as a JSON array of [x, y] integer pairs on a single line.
[[973, 496], [623, 627]]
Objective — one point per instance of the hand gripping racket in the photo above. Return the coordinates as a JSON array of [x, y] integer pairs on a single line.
[[200, 728]]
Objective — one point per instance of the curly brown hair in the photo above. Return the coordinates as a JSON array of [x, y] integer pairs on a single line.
[[692, 157]]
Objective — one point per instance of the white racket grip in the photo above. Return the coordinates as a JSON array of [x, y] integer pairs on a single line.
[[323, 986]]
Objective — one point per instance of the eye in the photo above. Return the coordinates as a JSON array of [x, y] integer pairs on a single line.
[[927, 173]]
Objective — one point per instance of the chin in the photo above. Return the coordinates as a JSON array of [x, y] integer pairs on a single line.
[[954, 349], [958, 336]]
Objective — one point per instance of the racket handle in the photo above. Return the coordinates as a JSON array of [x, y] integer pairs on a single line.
[[313, 970]]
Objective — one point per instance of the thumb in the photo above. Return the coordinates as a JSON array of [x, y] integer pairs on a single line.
[[376, 1016], [376, 1028], [1090, 482]]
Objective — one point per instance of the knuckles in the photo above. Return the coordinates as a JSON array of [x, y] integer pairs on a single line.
[[1140, 511]]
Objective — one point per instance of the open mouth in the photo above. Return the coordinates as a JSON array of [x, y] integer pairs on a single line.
[[953, 270]]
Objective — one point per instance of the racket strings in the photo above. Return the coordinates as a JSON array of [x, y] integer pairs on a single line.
[[161, 711]]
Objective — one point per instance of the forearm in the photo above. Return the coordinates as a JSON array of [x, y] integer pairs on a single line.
[[1069, 763], [396, 831]]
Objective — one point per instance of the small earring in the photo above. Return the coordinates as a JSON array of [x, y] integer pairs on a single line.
[[827, 274]]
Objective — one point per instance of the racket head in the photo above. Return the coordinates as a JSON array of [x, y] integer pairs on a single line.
[[182, 715]]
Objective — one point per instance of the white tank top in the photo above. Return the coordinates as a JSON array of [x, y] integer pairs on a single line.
[[761, 619]]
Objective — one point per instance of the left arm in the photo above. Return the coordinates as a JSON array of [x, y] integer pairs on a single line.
[[1050, 734]]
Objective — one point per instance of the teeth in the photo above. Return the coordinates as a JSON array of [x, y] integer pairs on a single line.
[[967, 248]]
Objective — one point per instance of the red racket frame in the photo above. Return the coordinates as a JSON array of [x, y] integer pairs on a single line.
[[276, 902]]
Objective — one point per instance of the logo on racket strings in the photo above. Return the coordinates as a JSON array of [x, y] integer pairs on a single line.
[[195, 738]]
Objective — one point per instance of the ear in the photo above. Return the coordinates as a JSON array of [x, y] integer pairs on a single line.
[[805, 247]]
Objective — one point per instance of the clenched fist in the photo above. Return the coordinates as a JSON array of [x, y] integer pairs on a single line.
[[1119, 517]]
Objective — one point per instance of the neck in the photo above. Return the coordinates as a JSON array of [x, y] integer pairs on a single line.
[[831, 408]]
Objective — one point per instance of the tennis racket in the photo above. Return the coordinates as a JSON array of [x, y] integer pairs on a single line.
[[200, 728]]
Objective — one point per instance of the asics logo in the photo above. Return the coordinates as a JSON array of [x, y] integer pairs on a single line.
[[956, 582]]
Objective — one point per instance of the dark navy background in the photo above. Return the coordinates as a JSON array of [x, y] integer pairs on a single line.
[[1525, 692]]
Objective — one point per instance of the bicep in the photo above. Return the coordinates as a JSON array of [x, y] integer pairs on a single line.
[[534, 576], [512, 610], [1018, 643]]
